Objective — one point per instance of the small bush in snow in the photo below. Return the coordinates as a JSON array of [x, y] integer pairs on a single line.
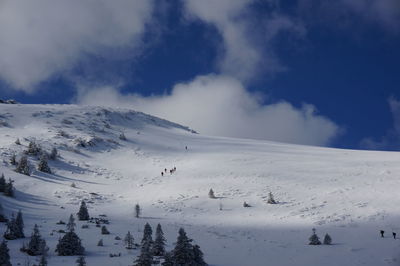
[[271, 199], [211, 194], [122, 136], [53, 154], [327, 240], [2, 183], [13, 159], [104, 230], [81, 261], [246, 205], [100, 243], [43, 166], [18, 142], [314, 239]]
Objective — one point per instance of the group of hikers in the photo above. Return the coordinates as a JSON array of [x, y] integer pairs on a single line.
[[171, 171], [383, 232]]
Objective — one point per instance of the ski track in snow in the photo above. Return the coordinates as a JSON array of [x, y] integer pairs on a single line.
[[349, 194]]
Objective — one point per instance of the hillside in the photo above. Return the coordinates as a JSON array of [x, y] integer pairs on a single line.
[[347, 193]]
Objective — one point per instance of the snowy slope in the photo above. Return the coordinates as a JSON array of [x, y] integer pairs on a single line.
[[349, 194]]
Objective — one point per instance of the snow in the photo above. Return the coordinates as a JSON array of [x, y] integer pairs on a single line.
[[349, 194]]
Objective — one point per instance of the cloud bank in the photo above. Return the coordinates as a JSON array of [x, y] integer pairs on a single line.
[[44, 37], [220, 105], [242, 56], [390, 141]]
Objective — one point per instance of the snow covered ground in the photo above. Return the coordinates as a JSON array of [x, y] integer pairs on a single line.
[[349, 194]]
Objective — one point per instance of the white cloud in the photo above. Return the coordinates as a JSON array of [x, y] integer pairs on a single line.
[[390, 141], [242, 55], [43, 37], [220, 105]]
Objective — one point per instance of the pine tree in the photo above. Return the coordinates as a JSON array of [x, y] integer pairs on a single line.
[[43, 260], [145, 258], [20, 223], [2, 183], [129, 240], [43, 166], [37, 245], [13, 230], [9, 188], [53, 154], [70, 245], [314, 239], [3, 218], [83, 214], [4, 255], [17, 142], [198, 256], [137, 211], [271, 199], [147, 234], [23, 166], [183, 253], [168, 260], [211, 194], [13, 159], [327, 240], [100, 243], [33, 148], [81, 261], [104, 230], [71, 224], [159, 242]]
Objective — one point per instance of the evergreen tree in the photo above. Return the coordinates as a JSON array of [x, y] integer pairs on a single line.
[[43, 166], [2, 183], [13, 230], [211, 194], [104, 230], [13, 159], [198, 256], [71, 224], [17, 142], [3, 218], [33, 148], [70, 245], [83, 214], [145, 258], [23, 166], [183, 253], [4, 255], [271, 199], [81, 261], [137, 210], [9, 188], [43, 260], [20, 223], [122, 136], [129, 240], [159, 242], [100, 243], [147, 234], [53, 154], [327, 240], [314, 239], [168, 260], [37, 245]]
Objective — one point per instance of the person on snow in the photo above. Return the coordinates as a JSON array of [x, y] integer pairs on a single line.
[[382, 232], [394, 235]]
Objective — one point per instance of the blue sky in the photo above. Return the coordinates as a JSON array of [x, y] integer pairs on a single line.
[[308, 72]]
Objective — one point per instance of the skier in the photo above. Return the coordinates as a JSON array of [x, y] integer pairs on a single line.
[[394, 235], [382, 232], [162, 173]]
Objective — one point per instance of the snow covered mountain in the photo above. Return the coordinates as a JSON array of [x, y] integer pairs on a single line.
[[347, 193]]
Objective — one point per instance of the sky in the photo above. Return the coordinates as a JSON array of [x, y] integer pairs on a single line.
[[308, 72]]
